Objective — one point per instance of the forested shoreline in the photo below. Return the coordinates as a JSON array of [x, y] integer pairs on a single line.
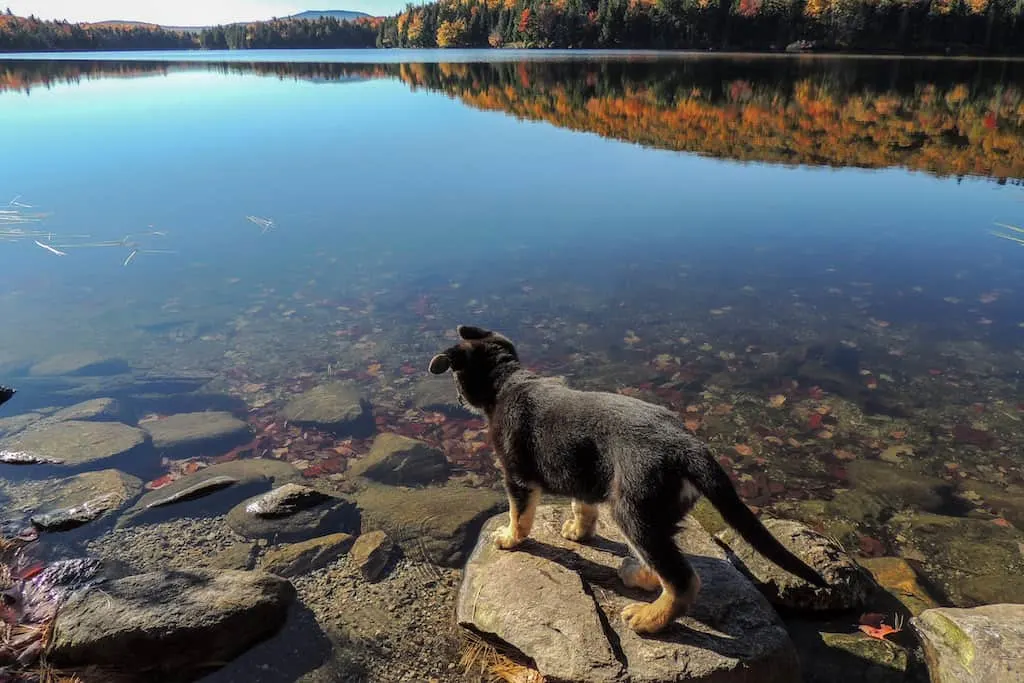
[[962, 27], [21, 34], [880, 26]]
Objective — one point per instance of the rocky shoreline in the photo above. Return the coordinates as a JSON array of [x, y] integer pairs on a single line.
[[331, 533]]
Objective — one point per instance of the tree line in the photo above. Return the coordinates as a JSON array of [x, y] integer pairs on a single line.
[[29, 34], [906, 26], [910, 26]]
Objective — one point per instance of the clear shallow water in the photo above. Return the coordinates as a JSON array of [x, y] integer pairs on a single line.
[[710, 233]]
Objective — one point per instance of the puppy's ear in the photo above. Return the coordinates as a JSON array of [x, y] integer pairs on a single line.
[[454, 358], [470, 333]]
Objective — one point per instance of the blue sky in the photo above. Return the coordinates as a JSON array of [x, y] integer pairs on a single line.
[[186, 12]]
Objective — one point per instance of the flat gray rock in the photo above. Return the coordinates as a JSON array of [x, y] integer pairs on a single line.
[[337, 407], [217, 487], [169, 621], [83, 498], [399, 460], [294, 559], [79, 363], [292, 513], [559, 603], [9, 426], [977, 645], [849, 583], [77, 442], [204, 433], [94, 410]]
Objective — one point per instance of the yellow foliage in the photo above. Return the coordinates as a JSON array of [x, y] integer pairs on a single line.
[[451, 33]]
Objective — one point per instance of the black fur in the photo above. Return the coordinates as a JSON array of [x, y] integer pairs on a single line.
[[5, 394], [601, 447]]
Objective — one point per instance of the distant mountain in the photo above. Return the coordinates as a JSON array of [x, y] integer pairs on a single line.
[[340, 14]]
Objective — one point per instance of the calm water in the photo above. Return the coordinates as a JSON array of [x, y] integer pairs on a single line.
[[754, 242]]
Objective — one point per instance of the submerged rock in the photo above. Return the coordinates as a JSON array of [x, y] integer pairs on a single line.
[[293, 559], [371, 554], [978, 645], [337, 407], [437, 524], [203, 433], [896, 576], [438, 394], [9, 426], [849, 584], [85, 497], [241, 555], [169, 621], [218, 487], [827, 657], [80, 363], [559, 603], [94, 410], [293, 513], [399, 460], [941, 545], [77, 442], [197, 489]]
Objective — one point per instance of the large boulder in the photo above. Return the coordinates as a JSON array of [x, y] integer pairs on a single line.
[[203, 433], [337, 407], [78, 442], [169, 621], [211, 491], [79, 363], [292, 513], [437, 524], [399, 460], [83, 498], [977, 645], [559, 603], [849, 584]]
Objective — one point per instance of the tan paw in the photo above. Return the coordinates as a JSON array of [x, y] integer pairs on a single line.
[[574, 531], [505, 538], [635, 575], [645, 617]]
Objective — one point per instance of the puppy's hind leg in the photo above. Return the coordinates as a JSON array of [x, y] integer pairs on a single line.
[[581, 525], [653, 540], [522, 504]]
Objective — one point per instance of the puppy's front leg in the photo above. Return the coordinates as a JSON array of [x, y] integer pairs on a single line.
[[522, 504]]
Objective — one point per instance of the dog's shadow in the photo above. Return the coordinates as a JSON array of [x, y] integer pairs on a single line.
[[714, 608]]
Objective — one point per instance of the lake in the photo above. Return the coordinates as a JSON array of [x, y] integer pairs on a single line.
[[817, 261]]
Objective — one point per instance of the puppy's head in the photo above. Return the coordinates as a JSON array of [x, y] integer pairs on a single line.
[[478, 363]]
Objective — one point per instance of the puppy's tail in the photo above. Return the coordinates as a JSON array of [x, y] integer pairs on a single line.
[[714, 483]]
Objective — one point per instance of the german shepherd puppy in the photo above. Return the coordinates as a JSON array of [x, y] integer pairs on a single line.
[[596, 447]]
